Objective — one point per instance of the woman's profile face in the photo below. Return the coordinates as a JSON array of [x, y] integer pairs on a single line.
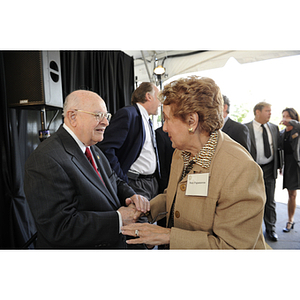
[[286, 115], [176, 129]]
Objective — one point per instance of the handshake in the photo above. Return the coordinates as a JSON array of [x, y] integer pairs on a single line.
[[144, 233], [135, 206]]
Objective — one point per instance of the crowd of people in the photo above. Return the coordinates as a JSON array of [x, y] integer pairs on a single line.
[[201, 181]]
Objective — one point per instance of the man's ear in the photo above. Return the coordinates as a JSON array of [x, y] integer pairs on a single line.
[[225, 108], [148, 96], [71, 116]]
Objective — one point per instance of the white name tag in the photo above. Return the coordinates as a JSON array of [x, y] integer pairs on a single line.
[[197, 184]]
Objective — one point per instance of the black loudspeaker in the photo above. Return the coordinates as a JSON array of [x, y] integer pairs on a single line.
[[33, 79]]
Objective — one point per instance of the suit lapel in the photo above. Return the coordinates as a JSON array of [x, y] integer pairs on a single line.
[[252, 136], [253, 142], [142, 123], [108, 188], [85, 167], [273, 134]]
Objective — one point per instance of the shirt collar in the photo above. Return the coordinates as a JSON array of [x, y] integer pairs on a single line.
[[73, 135], [143, 111]]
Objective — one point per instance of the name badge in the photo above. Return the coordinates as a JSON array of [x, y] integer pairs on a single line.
[[197, 184]]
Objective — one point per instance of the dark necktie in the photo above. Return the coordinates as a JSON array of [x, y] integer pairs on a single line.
[[154, 145], [266, 142], [90, 158]]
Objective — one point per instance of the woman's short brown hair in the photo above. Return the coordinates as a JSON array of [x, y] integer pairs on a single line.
[[198, 95]]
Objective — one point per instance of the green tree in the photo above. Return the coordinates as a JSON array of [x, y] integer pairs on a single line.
[[239, 112]]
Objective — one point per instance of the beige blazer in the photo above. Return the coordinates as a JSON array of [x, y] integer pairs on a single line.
[[230, 216]]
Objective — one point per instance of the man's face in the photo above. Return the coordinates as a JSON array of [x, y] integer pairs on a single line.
[[89, 129], [156, 103], [264, 115]]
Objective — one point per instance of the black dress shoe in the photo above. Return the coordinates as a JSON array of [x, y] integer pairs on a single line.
[[272, 235]]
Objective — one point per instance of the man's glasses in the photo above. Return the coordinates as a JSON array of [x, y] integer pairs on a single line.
[[99, 116]]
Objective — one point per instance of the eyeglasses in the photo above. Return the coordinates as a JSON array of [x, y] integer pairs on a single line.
[[99, 116]]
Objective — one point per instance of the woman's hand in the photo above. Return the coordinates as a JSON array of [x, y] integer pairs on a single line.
[[148, 234], [141, 203]]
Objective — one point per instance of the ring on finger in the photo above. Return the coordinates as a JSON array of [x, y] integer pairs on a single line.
[[136, 232]]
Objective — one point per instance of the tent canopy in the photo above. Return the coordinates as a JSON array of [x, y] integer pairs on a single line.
[[183, 62]]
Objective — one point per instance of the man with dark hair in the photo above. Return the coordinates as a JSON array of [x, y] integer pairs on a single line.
[[264, 138], [128, 141], [237, 131]]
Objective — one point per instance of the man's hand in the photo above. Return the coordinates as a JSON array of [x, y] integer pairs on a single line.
[[141, 203], [129, 214]]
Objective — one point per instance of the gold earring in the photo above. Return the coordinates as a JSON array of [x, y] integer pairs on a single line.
[[191, 130]]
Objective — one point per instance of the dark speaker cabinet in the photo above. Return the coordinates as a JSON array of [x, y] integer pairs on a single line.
[[33, 79]]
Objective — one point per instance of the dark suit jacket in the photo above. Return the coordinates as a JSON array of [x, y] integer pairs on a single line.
[[165, 153], [71, 206], [123, 139], [238, 132], [275, 136], [294, 139]]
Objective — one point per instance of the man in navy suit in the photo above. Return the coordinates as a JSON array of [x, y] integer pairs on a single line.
[[264, 151], [128, 143], [79, 202], [237, 131]]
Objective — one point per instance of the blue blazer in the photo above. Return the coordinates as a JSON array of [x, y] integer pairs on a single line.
[[123, 139], [71, 206]]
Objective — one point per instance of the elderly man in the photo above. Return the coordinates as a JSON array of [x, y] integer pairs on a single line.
[[76, 199]]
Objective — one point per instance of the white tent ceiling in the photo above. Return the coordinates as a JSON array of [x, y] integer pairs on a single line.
[[182, 62]]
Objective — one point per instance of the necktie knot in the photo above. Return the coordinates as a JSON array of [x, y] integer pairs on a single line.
[[88, 154]]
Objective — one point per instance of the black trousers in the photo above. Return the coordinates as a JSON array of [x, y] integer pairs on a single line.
[[270, 206]]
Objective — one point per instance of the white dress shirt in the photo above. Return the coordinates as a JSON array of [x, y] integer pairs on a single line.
[[146, 162], [260, 152]]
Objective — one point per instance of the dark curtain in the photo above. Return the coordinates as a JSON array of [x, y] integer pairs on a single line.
[[108, 73], [17, 225]]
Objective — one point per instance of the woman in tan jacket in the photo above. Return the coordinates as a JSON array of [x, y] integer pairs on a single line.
[[215, 197]]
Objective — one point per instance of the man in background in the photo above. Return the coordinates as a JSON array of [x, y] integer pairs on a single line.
[[237, 131], [129, 142], [264, 150]]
